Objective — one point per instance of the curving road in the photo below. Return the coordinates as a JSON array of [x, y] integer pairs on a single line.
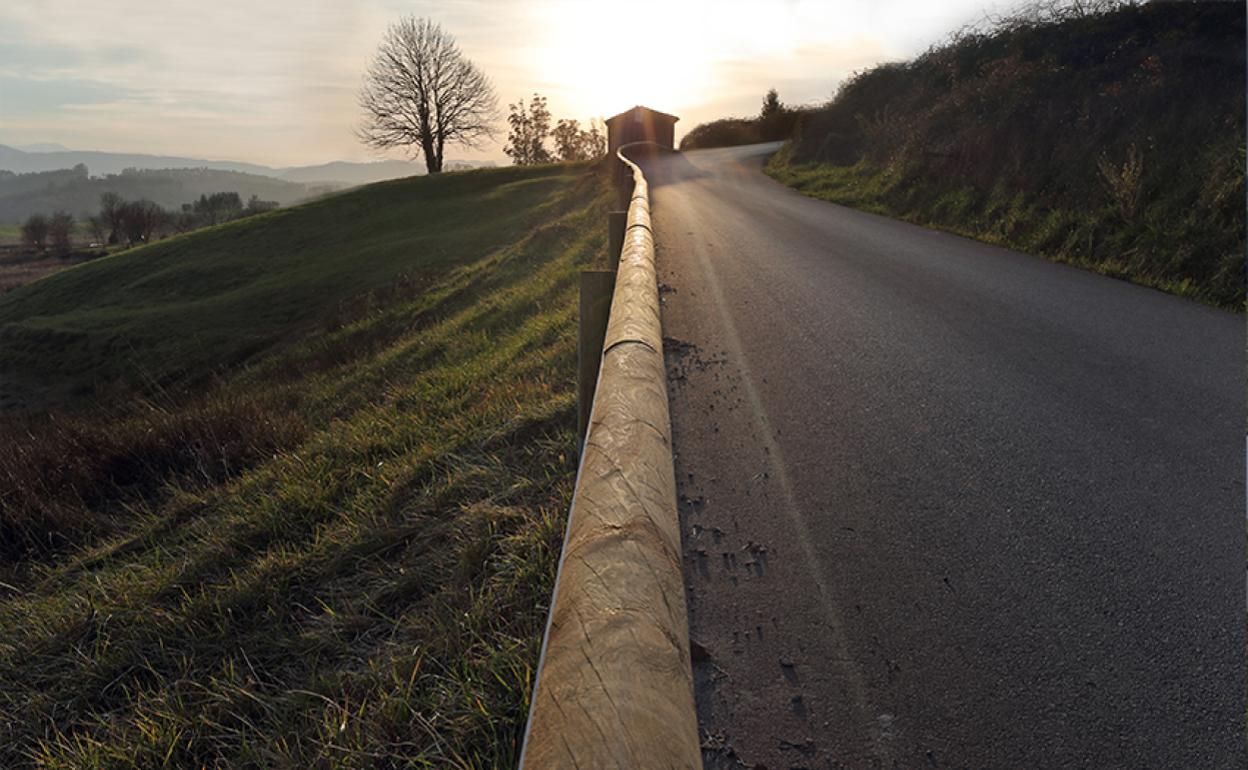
[[943, 504]]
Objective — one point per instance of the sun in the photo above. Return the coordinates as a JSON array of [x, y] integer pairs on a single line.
[[603, 58]]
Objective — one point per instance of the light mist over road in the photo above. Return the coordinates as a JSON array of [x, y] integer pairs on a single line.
[[943, 504]]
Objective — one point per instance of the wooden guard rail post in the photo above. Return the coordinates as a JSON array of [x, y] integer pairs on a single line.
[[617, 224], [596, 289], [614, 686]]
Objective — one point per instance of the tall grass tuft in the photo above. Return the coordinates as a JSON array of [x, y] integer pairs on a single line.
[[65, 478]]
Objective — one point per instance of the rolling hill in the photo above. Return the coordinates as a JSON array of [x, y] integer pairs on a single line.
[[301, 501], [350, 174], [342, 173], [100, 163]]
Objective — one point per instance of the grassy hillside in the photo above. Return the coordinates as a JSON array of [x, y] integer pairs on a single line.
[[336, 549], [1113, 141], [176, 312]]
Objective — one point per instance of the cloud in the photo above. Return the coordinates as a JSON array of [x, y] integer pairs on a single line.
[[276, 81], [20, 95]]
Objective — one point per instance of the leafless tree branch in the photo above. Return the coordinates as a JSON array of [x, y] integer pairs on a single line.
[[420, 92]]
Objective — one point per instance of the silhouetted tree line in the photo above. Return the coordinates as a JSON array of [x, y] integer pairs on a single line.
[[131, 223], [220, 207], [775, 121], [530, 128], [39, 231]]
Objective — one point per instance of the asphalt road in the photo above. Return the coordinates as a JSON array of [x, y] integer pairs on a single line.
[[943, 504]]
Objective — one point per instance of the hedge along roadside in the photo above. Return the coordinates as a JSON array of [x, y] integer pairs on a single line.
[[614, 685]]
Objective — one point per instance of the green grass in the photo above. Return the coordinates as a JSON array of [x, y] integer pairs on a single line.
[[1079, 238], [11, 235], [1112, 141], [178, 311], [336, 551]]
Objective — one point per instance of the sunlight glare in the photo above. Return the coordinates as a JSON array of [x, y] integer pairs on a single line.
[[593, 70]]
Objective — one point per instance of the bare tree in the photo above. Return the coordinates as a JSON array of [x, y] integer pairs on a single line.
[[59, 228], [99, 228], [139, 219], [111, 211], [420, 92], [35, 231]]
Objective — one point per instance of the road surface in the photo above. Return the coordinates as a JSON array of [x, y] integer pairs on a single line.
[[943, 504]]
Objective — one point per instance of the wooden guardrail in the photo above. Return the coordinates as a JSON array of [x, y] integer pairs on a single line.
[[614, 685]]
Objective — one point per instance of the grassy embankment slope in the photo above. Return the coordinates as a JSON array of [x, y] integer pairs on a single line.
[[304, 501], [1114, 142]]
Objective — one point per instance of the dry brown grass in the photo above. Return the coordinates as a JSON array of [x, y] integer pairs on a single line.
[[66, 479], [19, 269]]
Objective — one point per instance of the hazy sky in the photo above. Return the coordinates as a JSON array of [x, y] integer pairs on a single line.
[[275, 81]]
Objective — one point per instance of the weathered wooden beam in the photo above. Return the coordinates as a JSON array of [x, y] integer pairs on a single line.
[[614, 684]]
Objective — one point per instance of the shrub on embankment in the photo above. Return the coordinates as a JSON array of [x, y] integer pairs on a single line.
[[774, 122], [302, 503], [1112, 140]]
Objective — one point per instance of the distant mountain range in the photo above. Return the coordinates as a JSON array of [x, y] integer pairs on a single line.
[[53, 157], [43, 147], [43, 178]]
